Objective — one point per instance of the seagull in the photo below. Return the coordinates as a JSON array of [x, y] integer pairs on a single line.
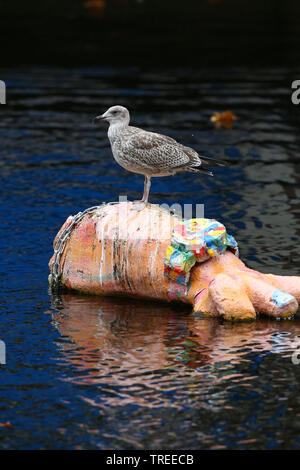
[[148, 153]]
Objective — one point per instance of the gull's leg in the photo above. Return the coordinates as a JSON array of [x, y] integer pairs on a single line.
[[140, 205], [147, 185]]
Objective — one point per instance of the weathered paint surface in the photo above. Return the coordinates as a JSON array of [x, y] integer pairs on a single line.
[[119, 251]]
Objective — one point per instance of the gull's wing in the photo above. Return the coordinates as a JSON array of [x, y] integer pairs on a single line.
[[158, 151]]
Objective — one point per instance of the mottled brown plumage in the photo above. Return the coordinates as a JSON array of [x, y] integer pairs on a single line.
[[149, 153]]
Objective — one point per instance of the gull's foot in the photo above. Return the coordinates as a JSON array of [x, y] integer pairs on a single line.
[[138, 205]]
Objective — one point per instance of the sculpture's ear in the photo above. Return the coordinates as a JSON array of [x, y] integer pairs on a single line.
[[225, 299], [230, 298], [203, 304]]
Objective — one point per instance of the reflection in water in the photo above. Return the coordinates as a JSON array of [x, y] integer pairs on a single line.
[[154, 356]]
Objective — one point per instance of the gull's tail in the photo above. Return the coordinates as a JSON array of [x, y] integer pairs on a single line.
[[207, 161], [200, 170]]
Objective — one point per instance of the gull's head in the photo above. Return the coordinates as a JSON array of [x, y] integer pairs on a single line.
[[114, 115]]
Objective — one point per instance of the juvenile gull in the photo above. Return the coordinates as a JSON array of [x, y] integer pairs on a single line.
[[148, 153]]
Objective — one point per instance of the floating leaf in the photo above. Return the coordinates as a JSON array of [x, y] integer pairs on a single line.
[[6, 425], [224, 119]]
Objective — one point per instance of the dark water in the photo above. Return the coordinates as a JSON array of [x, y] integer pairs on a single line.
[[93, 373]]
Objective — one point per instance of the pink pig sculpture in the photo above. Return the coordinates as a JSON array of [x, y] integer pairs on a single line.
[[114, 250]]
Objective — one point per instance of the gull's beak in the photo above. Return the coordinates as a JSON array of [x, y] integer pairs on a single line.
[[99, 118]]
